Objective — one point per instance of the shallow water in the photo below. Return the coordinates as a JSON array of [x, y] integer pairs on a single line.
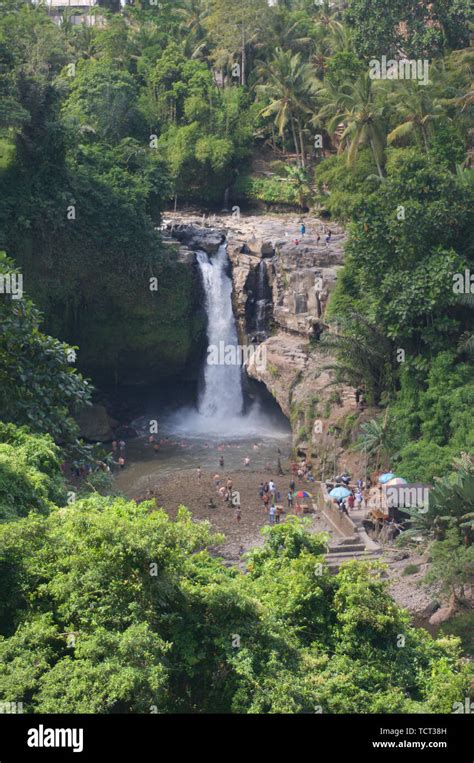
[[185, 444], [144, 467]]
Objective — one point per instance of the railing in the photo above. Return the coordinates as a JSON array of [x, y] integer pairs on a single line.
[[342, 523]]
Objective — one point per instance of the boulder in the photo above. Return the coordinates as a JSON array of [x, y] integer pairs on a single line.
[[441, 615], [95, 424], [195, 237], [267, 249]]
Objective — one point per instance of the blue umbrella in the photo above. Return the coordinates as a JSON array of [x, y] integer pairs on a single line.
[[386, 477], [339, 492]]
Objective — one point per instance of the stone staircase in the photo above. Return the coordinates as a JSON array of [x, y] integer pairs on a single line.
[[350, 542], [348, 549]]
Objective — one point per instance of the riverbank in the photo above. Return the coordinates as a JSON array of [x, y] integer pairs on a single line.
[[184, 488]]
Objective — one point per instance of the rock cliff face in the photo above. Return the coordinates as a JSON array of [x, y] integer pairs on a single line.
[[300, 275], [282, 282]]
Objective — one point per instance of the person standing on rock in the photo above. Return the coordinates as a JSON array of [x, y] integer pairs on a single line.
[[302, 229]]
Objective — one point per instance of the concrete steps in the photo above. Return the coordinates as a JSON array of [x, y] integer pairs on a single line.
[[335, 559], [346, 548]]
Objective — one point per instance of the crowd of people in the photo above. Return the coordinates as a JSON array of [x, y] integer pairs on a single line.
[[270, 497], [272, 503], [358, 495]]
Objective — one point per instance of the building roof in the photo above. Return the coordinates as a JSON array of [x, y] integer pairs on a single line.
[[70, 3]]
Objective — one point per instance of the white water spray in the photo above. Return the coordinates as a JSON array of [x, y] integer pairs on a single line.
[[221, 395]]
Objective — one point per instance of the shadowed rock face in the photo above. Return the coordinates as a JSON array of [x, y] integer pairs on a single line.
[[197, 238], [95, 425]]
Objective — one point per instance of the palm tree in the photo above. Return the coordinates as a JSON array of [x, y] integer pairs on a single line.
[[300, 178], [84, 39], [377, 440], [363, 355], [289, 86], [323, 48], [193, 14], [354, 105], [451, 505], [284, 33], [327, 16], [417, 108]]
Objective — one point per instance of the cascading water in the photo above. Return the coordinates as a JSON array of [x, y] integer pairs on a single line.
[[220, 411], [261, 302], [221, 395]]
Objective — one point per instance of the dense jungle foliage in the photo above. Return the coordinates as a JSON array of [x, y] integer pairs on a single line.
[[110, 606]]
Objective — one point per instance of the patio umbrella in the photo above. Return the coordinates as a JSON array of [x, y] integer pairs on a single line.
[[339, 492], [386, 477], [302, 494], [396, 481]]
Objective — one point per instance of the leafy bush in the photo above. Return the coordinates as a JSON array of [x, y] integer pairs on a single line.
[[38, 385], [271, 190], [109, 606], [30, 473], [411, 569]]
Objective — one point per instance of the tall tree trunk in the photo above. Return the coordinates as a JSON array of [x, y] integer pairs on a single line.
[[295, 141], [425, 138], [379, 168], [300, 131], [242, 71]]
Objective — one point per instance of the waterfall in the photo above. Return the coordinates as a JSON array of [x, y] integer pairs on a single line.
[[261, 302], [221, 396], [220, 412]]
